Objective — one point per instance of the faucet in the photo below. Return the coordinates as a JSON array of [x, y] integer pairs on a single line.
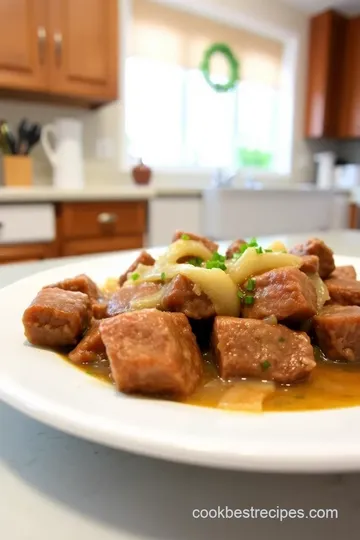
[[222, 179]]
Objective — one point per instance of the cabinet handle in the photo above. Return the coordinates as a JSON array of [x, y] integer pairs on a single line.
[[41, 34], [105, 217], [58, 41]]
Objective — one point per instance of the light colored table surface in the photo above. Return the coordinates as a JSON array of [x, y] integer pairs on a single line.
[[56, 487]]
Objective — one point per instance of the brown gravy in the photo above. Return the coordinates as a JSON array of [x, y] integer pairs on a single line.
[[331, 385]]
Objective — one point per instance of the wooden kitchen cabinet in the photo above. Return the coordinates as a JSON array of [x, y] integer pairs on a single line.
[[325, 60], [27, 252], [60, 50], [23, 54], [95, 227], [350, 103], [84, 48]]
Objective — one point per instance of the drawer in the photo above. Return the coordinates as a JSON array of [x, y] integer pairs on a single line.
[[101, 245], [91, 220], [27, 223], [26, 252]]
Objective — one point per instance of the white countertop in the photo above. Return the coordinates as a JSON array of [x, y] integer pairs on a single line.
[[129, 192], [54, 486]]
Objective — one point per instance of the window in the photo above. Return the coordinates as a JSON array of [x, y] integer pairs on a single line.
[[175, 120]]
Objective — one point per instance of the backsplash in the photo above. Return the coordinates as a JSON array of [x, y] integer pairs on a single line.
[[102, 123]]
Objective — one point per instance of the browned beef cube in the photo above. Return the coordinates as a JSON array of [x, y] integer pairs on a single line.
[[99, 309], [57, 318], [182, 295], [121, 300], [81, 283], [250, 348], [234, 248], [344, 272], [286, 293], [317, 247], [152, 352], [338, 332], [344, 291], [212, 246], [91, 348], [144, 258], [310, 264]]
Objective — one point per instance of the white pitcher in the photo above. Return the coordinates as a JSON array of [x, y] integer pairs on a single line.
[[67, 155]]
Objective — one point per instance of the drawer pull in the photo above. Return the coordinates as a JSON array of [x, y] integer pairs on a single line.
[[105, 217]]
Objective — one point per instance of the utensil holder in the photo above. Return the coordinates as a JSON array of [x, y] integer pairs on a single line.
[[17, 171]]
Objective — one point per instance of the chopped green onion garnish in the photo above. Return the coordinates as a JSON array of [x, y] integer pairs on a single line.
[[163, 276], [265, 365], [135, 276], [268, 250], [195, 261], [252, 243], [259, 250], [216, 261], [185, 237], [236, 255], [250, 285], [249, 300], [243, 248], [215, 264], [241, 294]]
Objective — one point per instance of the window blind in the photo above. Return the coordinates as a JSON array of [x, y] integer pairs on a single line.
[[170, 35]]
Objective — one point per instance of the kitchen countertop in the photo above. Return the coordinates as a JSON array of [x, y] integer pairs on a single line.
[[57, 486], [129, 192]]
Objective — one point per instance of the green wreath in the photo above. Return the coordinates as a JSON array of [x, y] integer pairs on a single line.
[[225, 50]]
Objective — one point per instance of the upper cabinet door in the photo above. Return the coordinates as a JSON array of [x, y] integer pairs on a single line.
[[23, 45], [350, 106], [84, 48], [325, 59]]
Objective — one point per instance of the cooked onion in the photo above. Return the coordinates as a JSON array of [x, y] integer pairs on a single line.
[[184, 248], [147, 302], [322, 292], [252, 263], [215, 283], [246, 396], [278, 246], [272, 320]]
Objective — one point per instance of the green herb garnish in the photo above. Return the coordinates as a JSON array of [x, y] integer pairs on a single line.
[[250, 285], [241, 294], [163, 276], [265, 365], [249, 300], [185, 237], [195, 261], [259, 250], [135, 276], [252, 243], [268, 250], [216, 261]]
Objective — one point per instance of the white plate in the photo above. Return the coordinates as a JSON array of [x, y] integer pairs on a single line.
[[40, 384]]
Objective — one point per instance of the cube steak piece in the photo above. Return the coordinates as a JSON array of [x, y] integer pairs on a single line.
[[57, 318], [345, 292], [337, 330], [209, 244], [81, 283], [317, 247], [310, 264], [343, 272], [121, 299], [284, 292], [182, 295], [251, 348], [144, 258], [91, 348], [152, 352], [234, 248]]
